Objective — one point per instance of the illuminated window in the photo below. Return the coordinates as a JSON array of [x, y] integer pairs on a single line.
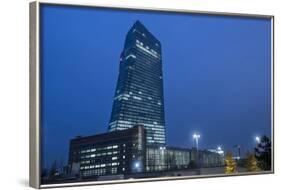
[[113, 170], [137, 98], [146, 50]]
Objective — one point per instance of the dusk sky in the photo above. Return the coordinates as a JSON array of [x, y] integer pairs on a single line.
[[216, 72]]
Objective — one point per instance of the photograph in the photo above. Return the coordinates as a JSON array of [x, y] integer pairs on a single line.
[[136, 94]]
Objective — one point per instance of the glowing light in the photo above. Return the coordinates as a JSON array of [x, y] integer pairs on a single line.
[[196, 136], [137, 165], [257, 139]]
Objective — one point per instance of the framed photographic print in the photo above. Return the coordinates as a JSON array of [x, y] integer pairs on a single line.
[[134, 94]]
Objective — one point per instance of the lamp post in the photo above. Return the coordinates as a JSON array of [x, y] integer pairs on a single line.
[[219, 150], [196, 137], [221, 153]]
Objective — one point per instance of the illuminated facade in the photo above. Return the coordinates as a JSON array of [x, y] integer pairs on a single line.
[[135, 145], [125, 154], [138, 96], [175, 158], [118, 152], [166, 158]]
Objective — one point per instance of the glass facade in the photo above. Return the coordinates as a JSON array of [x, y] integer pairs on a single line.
[[210, 159], [135, 143], [167, 158], [138, 96], [175, 158]]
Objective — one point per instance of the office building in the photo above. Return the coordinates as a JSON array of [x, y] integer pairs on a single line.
[[124, 154], [138, 98], [135, 145], [114, 153]]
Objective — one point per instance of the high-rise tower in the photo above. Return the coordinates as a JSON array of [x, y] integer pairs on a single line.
[[138, 98]]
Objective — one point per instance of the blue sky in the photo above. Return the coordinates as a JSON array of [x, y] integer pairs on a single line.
[[217, 72]]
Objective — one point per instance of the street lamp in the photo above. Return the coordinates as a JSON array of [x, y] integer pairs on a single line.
[[196, 137], [220, 151], [258, 139]]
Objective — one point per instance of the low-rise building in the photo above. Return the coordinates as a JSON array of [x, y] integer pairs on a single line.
[[125, 154], [118, 152], [175, 158]]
